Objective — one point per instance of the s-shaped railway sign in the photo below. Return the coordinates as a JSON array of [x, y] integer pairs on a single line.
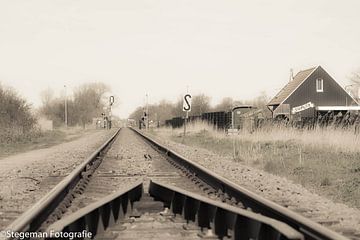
[[186, 108], [187, 103]]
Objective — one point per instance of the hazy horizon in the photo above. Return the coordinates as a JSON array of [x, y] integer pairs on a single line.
[[223, 49]]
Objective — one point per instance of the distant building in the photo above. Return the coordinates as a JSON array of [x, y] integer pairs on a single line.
[[310, 92]]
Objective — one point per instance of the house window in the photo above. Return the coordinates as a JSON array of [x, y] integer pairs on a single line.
[[319, 85]]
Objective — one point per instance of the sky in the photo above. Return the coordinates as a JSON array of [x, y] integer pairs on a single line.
[[223, 49]]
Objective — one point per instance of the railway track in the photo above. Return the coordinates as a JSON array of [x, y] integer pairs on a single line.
[[97, 185], [52, 203]]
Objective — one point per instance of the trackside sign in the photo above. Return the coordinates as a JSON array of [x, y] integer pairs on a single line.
[[302, 107], [187, 103]]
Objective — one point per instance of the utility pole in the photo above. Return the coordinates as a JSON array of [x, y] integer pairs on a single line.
[[111, 102], [66, 111], [185, 119]]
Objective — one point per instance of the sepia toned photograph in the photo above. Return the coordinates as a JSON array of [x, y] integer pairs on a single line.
[[164, 119]]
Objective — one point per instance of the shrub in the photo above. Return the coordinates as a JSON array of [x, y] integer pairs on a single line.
[[16, 119]]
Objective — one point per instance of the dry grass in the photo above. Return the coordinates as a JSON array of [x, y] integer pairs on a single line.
[[326, 161], [13, 142], [343, 140]]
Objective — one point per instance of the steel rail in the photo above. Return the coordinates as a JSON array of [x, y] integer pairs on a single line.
[[100, 215], [223, 219], [310, 229], [32, 219]]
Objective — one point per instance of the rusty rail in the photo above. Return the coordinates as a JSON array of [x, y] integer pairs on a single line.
[[231, 191]]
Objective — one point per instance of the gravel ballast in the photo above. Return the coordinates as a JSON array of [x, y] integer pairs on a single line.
[[335, 216], [27, 177]]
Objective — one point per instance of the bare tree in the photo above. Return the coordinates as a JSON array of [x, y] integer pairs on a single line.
[[162, 111], [15, 112], [47, 96], [137, 114], [176, 110], [354, 88], [88, 101], [158, 113], [226, 105], [355, 78], [200, 104], [261, 101]]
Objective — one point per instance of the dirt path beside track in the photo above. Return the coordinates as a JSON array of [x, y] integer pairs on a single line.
[[26, 177]]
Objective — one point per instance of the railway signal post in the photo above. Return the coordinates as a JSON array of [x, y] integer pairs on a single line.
[[186, 108]]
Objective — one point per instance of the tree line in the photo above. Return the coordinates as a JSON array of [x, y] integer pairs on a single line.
[[87, 102], [16, 118], [354, 87], [15, 111], [164, 110]]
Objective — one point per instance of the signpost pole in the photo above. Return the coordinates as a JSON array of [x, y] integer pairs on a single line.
[[186, 108], [185, 119]]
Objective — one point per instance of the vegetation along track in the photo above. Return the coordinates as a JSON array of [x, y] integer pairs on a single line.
[[130, 160]]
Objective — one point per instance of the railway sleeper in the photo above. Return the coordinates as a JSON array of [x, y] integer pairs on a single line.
[[199, 217]]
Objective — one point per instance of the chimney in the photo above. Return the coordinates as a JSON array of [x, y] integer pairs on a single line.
[[291, 75]]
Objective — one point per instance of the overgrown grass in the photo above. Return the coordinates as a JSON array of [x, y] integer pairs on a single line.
[[12, 142], [326, 161]]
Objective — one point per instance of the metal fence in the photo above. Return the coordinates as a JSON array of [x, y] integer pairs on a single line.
[[223, 120]]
